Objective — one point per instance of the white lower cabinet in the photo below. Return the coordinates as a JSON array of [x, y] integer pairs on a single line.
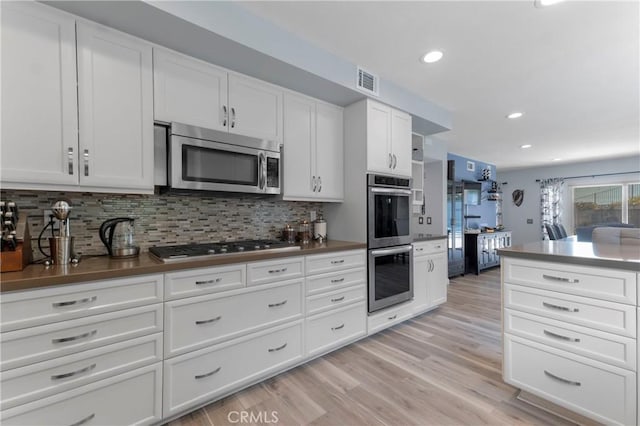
[[385, 318], [594, 389], [203, 375], [134, 397], [335, 328], [429, 274]]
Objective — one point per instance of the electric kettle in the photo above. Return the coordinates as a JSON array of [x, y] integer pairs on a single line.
[[117, 235]]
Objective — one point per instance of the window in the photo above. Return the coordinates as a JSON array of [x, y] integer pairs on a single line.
[[606, 204]]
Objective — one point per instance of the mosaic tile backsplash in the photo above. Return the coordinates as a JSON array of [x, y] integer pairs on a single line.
[[170, 218]]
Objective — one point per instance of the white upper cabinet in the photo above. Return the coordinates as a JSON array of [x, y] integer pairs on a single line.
[[388, 140], [115, 96], [313, 150], [255, 108], [189, 91], [39, 105]]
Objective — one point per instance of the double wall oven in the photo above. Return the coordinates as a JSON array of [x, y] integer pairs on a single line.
[[389, 241]]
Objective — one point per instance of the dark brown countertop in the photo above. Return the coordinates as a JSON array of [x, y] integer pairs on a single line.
[[579, 253], [427, 237], [102, 267]]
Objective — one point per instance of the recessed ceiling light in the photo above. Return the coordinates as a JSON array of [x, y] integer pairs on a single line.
[[514, 115], [525, 146], [545, 3], [433, 56], [557, 159]]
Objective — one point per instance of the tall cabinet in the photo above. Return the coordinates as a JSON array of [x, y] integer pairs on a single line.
[[455, 227]]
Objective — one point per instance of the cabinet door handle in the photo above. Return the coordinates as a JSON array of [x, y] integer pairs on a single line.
[[224, 118], [395, 161], [70, 159], [214, 281], [233, 117], [561, 279], [560, 379], [393, 317], [319, 184], [86, 162], [277, 271], [83, 421], [560, 308], [339, 299], [279, 348], [72, 338], [210, 373], [337, 262], [313, 183], [341, 326], [561, 337], [390, 161], [339, 280], [218, 318], [74, 302], [275, 305], [73, 373]]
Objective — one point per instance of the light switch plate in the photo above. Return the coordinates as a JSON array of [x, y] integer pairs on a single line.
[[529, 221], [428, 220], [420, 220]]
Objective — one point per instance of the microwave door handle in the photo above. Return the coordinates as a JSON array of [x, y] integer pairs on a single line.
[[391, 191], [262, 170], [384, 252]]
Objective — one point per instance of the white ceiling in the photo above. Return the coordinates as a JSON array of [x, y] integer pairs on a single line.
[[572, 68]]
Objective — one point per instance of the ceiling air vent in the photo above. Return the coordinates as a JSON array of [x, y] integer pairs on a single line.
[[367, 82]]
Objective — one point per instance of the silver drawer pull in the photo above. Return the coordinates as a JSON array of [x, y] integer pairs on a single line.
[[218, 318], [340, 327], [559, 336], [438, 246], [83, 421], [339, 280], [73, 373], [561, 279], [339, 299], [277, 271], [75, 302], [560, 308], [275, 305], [279, 348], [337, 262], [393, 317], [211, 373], [419, 249], [215, 281], [72, 338], [560, 379]]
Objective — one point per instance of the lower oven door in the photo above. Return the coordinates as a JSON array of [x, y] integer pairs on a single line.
[[390, 276]]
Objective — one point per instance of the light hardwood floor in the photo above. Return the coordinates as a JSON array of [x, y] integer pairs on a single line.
[[441, 368]]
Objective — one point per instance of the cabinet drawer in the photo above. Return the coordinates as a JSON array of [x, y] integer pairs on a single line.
[[29, 308], [601, 283], [591, 388], [23, 347], [322, 263], [36, 381], [200, 376], [605, 347], [334, 299], [599, 314], [429, 247], [383, 319], [200, 321], [130, 398], [335, 328], [194, 282], [327, 282], [271, 271]]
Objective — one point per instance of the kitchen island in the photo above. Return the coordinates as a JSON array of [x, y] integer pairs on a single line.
[[570, 323]]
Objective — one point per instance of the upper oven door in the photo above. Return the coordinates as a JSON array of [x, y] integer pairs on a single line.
[[215, 166], [389, 216]]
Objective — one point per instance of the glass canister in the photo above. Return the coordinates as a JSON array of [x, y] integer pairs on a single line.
[[304, 232], [320, 230], [289, 234]]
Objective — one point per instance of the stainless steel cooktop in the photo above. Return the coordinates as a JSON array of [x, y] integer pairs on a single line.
[[177, 253]]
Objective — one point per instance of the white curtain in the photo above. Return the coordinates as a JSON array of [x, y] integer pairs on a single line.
[[550, 203]]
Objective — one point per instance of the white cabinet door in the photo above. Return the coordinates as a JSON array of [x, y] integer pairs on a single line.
[[329, 152], [421, 267], [299, 140], [115, 95], [401, 143], [255, 108], [189, 91], [39, 106], [378, 138], [437, 280]]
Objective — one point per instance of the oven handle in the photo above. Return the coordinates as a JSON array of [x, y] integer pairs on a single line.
[[391, 191], [384, 252]]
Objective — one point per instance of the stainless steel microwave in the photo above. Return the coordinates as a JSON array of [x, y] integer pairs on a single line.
[[211, 160]]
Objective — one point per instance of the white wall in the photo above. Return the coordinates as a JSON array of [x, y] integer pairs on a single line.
[[515, 218]]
